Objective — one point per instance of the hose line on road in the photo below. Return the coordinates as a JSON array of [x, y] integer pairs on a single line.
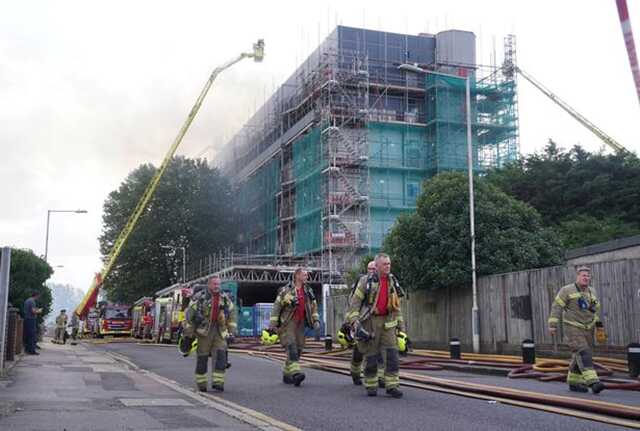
[[605, 412]]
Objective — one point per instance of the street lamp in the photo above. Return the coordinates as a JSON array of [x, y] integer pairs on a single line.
[[46, 243], [184, 259], [475, 320]]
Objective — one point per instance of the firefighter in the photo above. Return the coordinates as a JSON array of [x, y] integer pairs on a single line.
[[294, 308], [61, 326], [578, 307], [374, 314], [356, 356], [210, 318], [74, 325]]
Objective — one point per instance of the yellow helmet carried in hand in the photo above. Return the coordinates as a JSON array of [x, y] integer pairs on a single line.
[[344, 336], [342, 339], [269, 337], [185, 348], [403, 342]]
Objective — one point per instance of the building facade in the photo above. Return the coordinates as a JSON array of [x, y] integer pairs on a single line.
[[327, 164]]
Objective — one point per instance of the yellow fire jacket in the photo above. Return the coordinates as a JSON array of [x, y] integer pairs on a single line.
[[576, 307]]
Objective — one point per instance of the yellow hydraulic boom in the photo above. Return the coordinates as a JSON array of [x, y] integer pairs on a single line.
[[257, 55], [612, 143]]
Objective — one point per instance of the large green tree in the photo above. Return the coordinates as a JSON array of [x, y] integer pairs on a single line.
[[27, 275], [587, 197], [192, 208], [430, 248]]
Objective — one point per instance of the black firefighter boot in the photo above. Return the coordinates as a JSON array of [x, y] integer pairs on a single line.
[[357, 380], [394, 392], [597, 387], [298, 378], [578, 388]]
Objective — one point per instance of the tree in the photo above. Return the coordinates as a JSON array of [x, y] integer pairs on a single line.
[[27, 275], [193, 207], [430, 248], [584, 230], [587, 197]]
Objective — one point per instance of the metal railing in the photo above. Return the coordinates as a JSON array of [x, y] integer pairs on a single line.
[[218, 261]]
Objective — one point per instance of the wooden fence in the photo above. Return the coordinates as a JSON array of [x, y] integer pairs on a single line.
[[515, 306]]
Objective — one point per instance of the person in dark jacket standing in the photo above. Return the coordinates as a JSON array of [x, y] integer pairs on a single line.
[[30, 312]]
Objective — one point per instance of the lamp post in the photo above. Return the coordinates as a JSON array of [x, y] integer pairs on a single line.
[[46, 243], [475, 319], [184, 259]]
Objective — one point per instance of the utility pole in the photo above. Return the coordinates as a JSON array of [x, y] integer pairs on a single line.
[[184, 259], [475, 318], [5, 261]]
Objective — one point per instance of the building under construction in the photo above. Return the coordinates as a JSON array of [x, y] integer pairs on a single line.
[[327, 164]]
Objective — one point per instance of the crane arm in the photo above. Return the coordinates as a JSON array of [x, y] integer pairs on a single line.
[[612, 143], [123, 236]]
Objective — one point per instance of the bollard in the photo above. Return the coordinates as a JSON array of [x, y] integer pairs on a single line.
[[633, 359], [19, 334], [328, 343], [10, 351], [454, 348], [528, 352]]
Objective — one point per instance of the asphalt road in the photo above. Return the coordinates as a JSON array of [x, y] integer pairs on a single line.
[[328, 401]]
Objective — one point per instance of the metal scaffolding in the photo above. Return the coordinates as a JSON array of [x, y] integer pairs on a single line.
[[341, 149]]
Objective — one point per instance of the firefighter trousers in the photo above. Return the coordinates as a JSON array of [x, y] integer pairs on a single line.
[[357, 359], [581, 369], [292, 339], [60, 334], [384, 345], [215, 346]]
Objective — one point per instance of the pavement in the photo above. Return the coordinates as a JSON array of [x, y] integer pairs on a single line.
[[328, 401], [70, 388]]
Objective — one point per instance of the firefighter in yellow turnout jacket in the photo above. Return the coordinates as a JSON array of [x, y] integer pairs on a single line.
[[374, 311], [578, 307], [61, 327], [211, 319], [357, 357], [294, 308]]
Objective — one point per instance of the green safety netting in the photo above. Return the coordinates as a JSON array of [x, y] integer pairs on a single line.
[[398, 156], [258, 208], [307, 167], [493, 120], [401, 156]]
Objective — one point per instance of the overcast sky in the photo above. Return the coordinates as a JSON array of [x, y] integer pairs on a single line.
[[89, 90]]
